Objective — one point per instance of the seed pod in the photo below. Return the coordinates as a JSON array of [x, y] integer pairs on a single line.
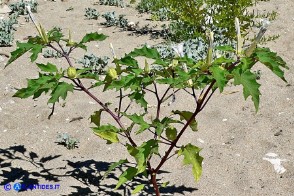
[[171, 133], [71, 72], [112, 73]]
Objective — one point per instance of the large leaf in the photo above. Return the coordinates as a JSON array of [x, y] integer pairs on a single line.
[[186, 115], [128, 175], [129, 61], [47, 68], [250, 85], [60, 91], [139, 98], [22, 48], [93, 37], [107, 132], [114, 165], [192, 157], [272, 61], [146, 52], [139, 120], [37, 86], [142, 153], [219, 74]]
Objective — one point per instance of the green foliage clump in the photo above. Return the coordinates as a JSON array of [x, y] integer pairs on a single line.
[[95, 63], [67, 140], [118, 3], [194, 17], [20, 6], [91, 14], [197, 68], [112, 20], [7, 30], [49, 53]]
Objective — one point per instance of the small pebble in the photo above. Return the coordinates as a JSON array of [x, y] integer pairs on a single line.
[[5, 130], [90, 102], [200, 140], [278, 133], [224, 120]]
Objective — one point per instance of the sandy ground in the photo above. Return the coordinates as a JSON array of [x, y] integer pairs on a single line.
[[236, 142]]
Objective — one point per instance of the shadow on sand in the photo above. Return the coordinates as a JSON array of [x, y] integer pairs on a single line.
[[88, 172]]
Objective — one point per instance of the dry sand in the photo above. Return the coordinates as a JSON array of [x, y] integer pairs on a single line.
[[235, 140]]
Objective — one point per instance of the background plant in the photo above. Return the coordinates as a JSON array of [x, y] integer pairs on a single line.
[[91, 13], [194, 17], [113, 20], [132, 81], [7, 30], [67, 140], [118, 3]]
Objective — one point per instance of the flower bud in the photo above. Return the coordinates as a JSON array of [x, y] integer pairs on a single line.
[[71, 72], [171, 133], [147, 67], [112, 73]]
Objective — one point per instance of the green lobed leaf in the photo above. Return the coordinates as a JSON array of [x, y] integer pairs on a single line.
[[37, 86], [139, 98], [22, 48], [146, 52], [107, 132], [272, 61], [128, 175], [138, 119], [47, 68], [161, 125], [60, 91], [186, 115], [142, 153], [129, 61], [219, 74], [246, 63], [192, 157], [250, 85], [93, 37], [138, 188], [113, 166], [96, 117], [55, 34]]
